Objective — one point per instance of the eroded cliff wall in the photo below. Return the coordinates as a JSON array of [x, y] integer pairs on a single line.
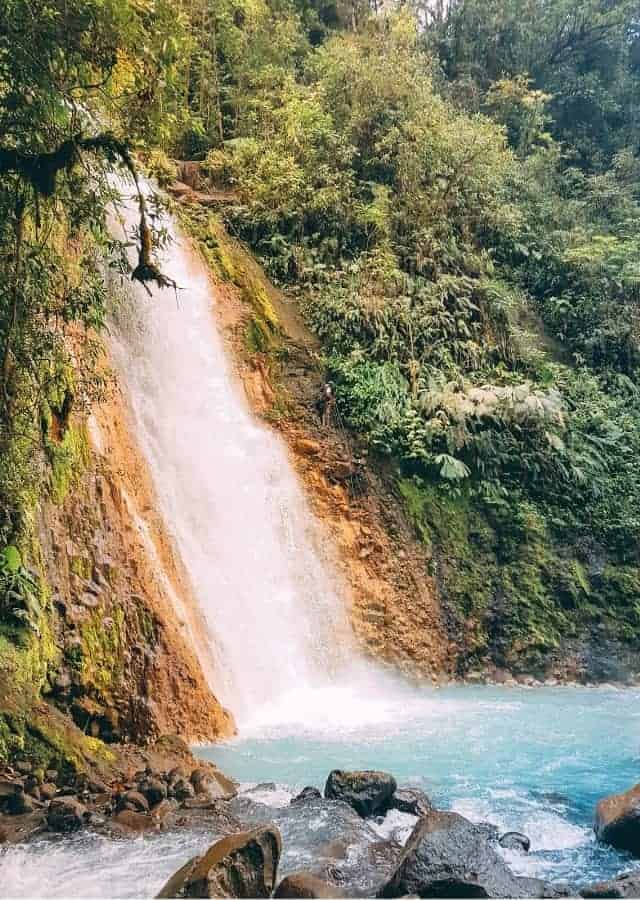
[[119, 653]]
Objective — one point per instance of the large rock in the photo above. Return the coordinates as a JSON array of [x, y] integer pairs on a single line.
[[66, 814], [514, 840], [306, 794], [305, 884], [367, 792], [627, 885], [411, 800], [153, 789], [213, 784], [181, 789], [129, 821], [22, 803], [448, 856], [134, 800], [617, 820], [331, 841], [48, 790], [240, 865], [9, 787], [18, 829]]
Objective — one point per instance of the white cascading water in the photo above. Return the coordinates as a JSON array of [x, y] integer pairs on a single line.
[[227, 492]]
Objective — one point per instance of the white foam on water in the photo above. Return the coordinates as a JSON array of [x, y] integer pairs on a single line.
[[94, 867], [546, 828], [277, 797], [395, 826]]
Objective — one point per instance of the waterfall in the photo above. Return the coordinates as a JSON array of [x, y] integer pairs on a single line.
[[259, 563]]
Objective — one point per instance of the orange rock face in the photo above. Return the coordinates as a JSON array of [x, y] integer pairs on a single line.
[[135, 661], [617, 820]]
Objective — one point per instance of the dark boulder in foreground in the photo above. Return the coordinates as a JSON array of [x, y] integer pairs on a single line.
[[306, 794], [366, 792], [514, 840], [66, 814], [617, 820], [627, 885], [448, 856], [332, 841], [411, 800], [306, 884], [240, 865]]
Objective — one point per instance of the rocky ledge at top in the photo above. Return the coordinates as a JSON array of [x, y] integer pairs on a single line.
[[344, 854]]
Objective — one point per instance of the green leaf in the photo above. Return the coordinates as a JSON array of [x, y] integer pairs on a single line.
[[11, 559], [451, 468]]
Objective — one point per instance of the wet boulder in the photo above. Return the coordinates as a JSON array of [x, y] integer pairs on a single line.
[[368, 792], [212, 783], [22, 803], [626, 885], [617, 820], [181, 789], [332, 842], [305, 884], [48, 791], [32, 786], [412, 801], [153, 789], [8, 787], [66, 814], [20, 828], [131, 822], [514, 840], [133, 800], [306, 794], [240, 865], [448, 856], [164, 811]]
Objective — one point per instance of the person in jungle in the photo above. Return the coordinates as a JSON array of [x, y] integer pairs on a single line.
[[327, 403]]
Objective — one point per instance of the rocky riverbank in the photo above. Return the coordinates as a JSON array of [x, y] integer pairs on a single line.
[[363, 836]]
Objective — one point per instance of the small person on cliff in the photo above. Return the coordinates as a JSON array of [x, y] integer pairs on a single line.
[[326, 403]]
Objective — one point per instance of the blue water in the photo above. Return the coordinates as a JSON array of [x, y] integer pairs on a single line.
[[534, 760]]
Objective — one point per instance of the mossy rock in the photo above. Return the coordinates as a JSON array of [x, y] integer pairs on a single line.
[[68, 460], [231, 264], [497, 573]]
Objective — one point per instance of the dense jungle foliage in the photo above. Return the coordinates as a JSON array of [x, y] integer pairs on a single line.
[[451, 192]]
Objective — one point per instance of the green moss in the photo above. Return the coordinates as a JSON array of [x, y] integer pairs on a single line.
[[52, 741], [224, 260], [497, 571], [68, 460], [34, 731], [258, 338], [100, 660], [257, 296], [81, 566], [230, 264]]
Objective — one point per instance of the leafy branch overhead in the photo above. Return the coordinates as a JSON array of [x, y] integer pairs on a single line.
[[41, 172]]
